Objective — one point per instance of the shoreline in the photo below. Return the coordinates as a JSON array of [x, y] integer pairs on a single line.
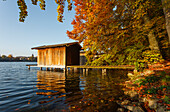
[[18, 61], [148, 90]]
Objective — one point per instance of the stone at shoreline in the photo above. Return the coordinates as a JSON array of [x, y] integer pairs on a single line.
[[132, 94], [129, 107], [138, 109], [120, 110], [161, 109], [130, 75], [125, 102], [152, 103]]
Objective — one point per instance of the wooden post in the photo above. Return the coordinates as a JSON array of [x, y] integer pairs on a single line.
[[103, 71], [76, 70], [87, 71], [65, 70], [51, 69], [84, 70], [47, 69], [28, 67], [55, 69], [40, 68], [71, 70]]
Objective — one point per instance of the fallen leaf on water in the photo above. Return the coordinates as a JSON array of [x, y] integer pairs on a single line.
[[17, 109]]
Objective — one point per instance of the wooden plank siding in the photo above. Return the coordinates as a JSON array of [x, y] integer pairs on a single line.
[[52, 56], [59, 55]]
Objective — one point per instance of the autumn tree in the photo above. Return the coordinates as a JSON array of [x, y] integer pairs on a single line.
[[121, 30], [118, 30], [10, 56], [166, 9]]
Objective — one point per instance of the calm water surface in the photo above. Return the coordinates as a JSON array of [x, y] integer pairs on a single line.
[[23, 90]]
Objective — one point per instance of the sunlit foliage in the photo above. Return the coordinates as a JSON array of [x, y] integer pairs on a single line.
[[23, 8], [118, 30]]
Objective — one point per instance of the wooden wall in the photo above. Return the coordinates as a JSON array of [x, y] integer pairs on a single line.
[[52, 56], [58, 56], [73, 55]]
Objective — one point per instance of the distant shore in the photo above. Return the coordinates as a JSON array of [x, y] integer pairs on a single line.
[[16, 61]]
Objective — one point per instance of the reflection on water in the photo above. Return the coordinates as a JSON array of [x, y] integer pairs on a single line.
[[42, 91], [50, 81], [59, 88]]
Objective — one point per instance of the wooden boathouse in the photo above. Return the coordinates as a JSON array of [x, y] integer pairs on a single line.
[[65, 56], [59, 55]]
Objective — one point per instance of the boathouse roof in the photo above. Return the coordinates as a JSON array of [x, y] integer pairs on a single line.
[[57, 45]]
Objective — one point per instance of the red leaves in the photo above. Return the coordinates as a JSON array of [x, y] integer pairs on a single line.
[[17, 109], [73, 22], [160, 101]]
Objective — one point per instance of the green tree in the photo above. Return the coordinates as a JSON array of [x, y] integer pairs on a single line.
[[4, 56]]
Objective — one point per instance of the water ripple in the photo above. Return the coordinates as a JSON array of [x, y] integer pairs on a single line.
[[22, 90]]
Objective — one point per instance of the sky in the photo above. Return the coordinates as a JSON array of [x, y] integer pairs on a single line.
[[40, 28]]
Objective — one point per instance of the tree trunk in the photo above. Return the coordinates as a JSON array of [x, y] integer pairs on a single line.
[[153, 43], [166, 9]]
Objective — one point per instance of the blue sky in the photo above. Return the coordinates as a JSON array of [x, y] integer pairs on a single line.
[[40, 28]]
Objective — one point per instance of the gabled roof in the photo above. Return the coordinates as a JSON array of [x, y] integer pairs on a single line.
[[57, 45]]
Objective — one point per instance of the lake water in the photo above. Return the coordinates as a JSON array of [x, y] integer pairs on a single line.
[[23, 90]]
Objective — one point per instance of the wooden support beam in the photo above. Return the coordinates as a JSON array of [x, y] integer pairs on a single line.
[[55, 69], [47, 69], [71, 70], [67, 69], [28, 67], [64, 69], [76, 70], [104, 71], [84, 70], [51, 69], [87, 71]]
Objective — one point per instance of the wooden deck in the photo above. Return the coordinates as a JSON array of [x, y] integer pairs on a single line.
[[32, 65], [76, 68], [85, 66], [103, 67], [42, 66]]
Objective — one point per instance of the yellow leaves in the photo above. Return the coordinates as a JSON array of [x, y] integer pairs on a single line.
[[60, 18], [70, 6], [60, 9], [42, 4], [23, 8]]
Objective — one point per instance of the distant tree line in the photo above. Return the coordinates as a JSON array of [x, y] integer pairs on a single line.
[[10, 58]]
